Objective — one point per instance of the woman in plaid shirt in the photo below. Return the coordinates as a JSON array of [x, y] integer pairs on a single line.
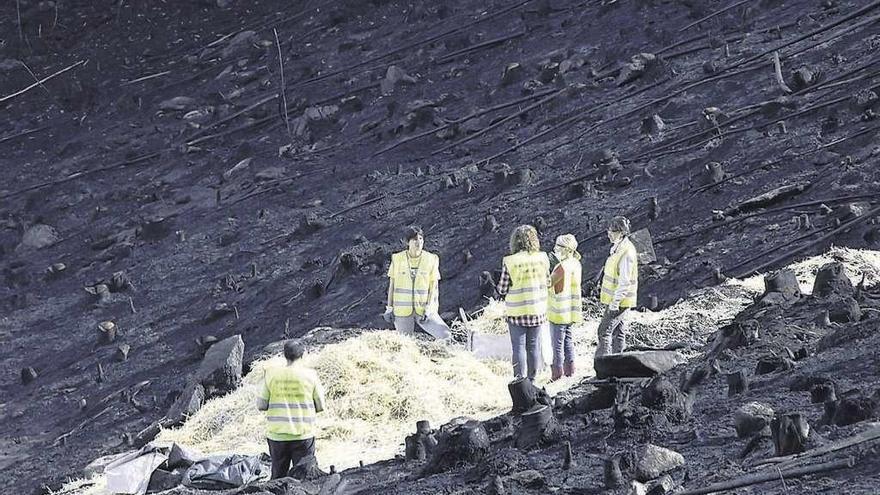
[[525, 278]]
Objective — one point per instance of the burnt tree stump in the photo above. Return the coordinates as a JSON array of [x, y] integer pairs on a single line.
[[784, 282], [789, 433], [613, 477], [734, 335], [714, 173], [832, 279], [464, 443], [28, 375], [772, 364], [538, 427], [523, 394], [106, 332], [420, 445], [737, 383], [821, 393], [661, 395], [849, 410]]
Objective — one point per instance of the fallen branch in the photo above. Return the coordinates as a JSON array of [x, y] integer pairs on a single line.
[[365, 203], [868, 435], [680, 43], [754, 58], [22, 134], [777, 71], [725, 223], [578, 116], [187, 79], [607, 381], [754, 479], [694, 135], [283, 86], [18, 15], [264, 190], [479, 46], [360, 301], [472, 115], [757, 126], [501, 122], [41, 81], [774, 249], [146, 78], [845, 226], [232, 116], [84, 173], [714, 14], [408, 46], [63, 438], [837, 34], [869, 130]]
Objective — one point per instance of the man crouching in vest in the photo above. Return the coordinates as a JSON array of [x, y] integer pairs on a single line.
[[524, 282], [413, 289], [620, 284], [291, 396]]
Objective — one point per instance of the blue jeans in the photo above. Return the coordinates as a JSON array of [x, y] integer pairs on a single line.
[[611, 334], [525, 349], [563, 345]]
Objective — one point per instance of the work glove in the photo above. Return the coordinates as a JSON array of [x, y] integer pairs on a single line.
[[388, 315]]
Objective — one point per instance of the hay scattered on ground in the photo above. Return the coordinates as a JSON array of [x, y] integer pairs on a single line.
[[379, 383], [694, 319], [857, 262]]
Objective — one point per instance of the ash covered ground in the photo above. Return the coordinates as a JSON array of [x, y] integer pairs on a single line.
[[162, 180]]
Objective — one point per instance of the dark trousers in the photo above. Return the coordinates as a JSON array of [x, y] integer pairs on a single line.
[[611, 333], [287, 453]]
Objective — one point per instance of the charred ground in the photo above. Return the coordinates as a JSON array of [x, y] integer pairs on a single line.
[[164, 154]]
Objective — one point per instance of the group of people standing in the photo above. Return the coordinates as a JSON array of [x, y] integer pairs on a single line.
[[540, 290]]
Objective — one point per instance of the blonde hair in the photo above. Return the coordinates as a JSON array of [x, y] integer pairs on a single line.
[[524, 238]]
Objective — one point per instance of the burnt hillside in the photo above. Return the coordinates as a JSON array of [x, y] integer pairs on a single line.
[[164, 148]]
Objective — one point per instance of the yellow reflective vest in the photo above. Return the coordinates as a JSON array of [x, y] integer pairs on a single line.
[[566, 307], [529, 276], [294, 394], [411, 288], [612, 275]]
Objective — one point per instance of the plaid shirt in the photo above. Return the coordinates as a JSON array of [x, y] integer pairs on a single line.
[[502, 287]]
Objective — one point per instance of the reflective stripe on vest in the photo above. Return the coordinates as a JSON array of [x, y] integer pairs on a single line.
[[291, 412], [412, 294], [612, 275], [528, 283], [567, 306]]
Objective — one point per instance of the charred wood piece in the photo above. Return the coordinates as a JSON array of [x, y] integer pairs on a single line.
[[737, 383], [789, 433], [538, 427], [421, 445], [821, 393]]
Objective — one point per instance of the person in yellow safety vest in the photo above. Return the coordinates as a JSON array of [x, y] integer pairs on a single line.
[[524, 281], [565, 306], [620, 284], [413, 289], [291, 395]]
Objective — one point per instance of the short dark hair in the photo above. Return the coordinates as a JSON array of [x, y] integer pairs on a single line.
[[412, 232], [619, 224], [293, 350]]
